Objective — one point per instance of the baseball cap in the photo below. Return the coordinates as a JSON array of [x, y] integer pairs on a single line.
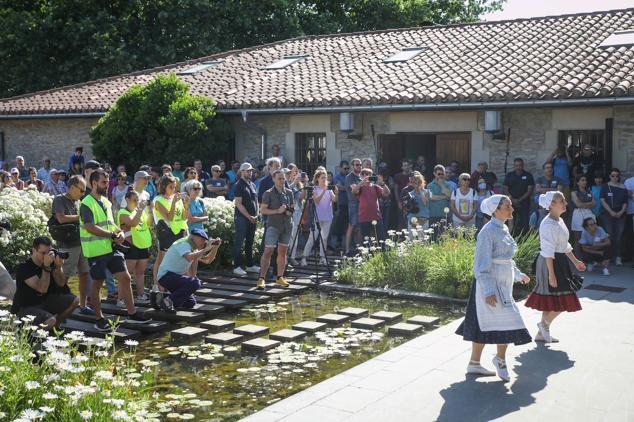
[[92, 165], [215, 167], [246, 167], [286, 170], [14, 170], [141, 174], [53, 171], [200, 233]]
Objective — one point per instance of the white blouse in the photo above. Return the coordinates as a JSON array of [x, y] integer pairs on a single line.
[[553, 237]]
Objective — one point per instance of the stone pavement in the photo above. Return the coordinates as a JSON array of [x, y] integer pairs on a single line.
[[588, 376]]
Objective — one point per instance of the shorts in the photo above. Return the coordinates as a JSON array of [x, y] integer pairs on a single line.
[[166, 237], [52, 305], [275, 236], [353, 213], [76, 262], [113, 262], [136, 253]]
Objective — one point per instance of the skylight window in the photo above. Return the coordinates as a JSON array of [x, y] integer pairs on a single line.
[[200, 67], [618, 39], [404, 55], [282, 63]]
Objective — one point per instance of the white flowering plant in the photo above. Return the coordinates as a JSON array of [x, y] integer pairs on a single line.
[[221, 224], [27, 211]]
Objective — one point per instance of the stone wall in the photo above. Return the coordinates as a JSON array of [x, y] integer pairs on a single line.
[[54, 138], [623, 145]]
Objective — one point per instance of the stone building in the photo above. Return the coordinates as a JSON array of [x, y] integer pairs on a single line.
[[444, 92]]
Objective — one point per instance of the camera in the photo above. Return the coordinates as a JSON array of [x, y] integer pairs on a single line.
[[60, 254], [373, 179], [331, 187], [5, 225], [308, 189]]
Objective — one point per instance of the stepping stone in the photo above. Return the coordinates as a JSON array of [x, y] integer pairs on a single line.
[[310, 326], [150, 327], [205, 308], [388, 317], [227, 303], [121, 334], [218, 325], [368, 323], [259, 345], [287, 335], [224, 294], [251, 330], [353, 312], [404, 329], [188, 333], [423, 320], [334, 320], [224, 338], [180, 316], [273, 292]]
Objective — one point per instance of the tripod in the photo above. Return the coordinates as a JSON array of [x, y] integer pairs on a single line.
[[315, 232]]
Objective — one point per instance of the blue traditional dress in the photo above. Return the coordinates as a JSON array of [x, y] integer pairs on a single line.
[[495, 272]]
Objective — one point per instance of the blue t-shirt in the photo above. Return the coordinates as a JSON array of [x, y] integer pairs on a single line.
[[596, 194], [174, 260], [561, 170], [340, 181], [197, 209], [423, 210], [614, 196], [436, 208], [590, 240]]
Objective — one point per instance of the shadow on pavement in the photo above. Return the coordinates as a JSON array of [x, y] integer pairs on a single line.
[[483, 401]]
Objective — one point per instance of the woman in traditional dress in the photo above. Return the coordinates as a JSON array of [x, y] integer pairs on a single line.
[[492, 315], [553, 294]]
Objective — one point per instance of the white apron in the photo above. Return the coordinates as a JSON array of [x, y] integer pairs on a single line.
[[505, 316]]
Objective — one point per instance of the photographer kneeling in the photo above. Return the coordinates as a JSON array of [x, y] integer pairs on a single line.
[[178, 269], [41, 287]]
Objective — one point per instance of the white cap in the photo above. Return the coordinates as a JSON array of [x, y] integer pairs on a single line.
[[490, 204]]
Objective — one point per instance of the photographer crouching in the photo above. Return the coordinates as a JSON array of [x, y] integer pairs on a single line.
[[177, 272], [42, 290]]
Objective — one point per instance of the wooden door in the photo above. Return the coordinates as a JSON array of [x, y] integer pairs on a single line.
[[454, 146], [391, 151]]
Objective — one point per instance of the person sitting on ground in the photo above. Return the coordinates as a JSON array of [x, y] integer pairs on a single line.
[[177, 273], [42, 291], [595, 245]]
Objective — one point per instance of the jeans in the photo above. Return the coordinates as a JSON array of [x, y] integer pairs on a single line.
[[245, 233], [521, 217], [615, 227], [377, 232], [325, 229], [182, 288], [338, 236], [385, 215], [111, 286]]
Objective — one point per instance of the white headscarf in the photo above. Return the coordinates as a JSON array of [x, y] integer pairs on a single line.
[[490, 204], [545, 199]]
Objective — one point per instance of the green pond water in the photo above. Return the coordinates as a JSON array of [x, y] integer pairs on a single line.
[[216, 383]]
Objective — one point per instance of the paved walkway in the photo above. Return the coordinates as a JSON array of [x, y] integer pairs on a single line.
[[588, 376]]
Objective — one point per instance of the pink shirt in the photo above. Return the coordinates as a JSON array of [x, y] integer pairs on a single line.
[[369, 203]]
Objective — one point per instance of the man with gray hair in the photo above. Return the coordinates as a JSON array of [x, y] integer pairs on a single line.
[[24, 171], [272, 165]]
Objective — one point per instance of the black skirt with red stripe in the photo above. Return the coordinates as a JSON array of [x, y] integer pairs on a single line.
[[559, 299]]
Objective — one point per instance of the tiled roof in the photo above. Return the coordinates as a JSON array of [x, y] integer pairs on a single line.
[[538, 58]]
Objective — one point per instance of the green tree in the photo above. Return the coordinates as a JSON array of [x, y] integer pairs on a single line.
[[161, 119], [50, 43]]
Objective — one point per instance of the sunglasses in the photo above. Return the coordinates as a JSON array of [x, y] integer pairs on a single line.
[[345, 168], [196, 188], [466, 178], [82, 190], [440, 174], [215, 171], [357, 165]]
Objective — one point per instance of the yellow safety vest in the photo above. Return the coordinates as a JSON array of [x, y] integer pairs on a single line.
[[177, 224], [91, 245], [141, 236]]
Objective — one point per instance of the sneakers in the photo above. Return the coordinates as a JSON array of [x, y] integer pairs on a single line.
[[304, 263], [121, 304], [543, 333], [539, 337], [253, 269], [138, 318], [161, 301], [112, 296], [261, 283], [86, 310], [501, 369], [239, 272], [606, 271], [618, 261], [143, 299], [477, 369], [102, 325], [589, 268], [281, 281], [293, 262]]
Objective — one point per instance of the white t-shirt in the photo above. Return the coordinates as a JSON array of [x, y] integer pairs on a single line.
[[463, 203], [629, 185], [143, 196]]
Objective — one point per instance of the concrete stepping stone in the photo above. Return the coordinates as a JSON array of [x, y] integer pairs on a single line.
[[227, 303], [120, 335], [150, 327], [288, 335], [426, 321], [205, 308], [388, 317], [251, 330], [190, 317], [353, 312], [367, 323], [310, 326], [404, 329], [224, 294], [218, 325], [334, 320], [187, 333], [224, 338], [259, 345]]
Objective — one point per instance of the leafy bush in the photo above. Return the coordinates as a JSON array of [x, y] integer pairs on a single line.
[[27, 211], [443, 267]]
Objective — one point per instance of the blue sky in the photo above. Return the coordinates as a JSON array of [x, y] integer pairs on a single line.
[[514, 9]]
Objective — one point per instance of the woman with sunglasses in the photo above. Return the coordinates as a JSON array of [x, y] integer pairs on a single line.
[[553, 293], [197, 214], [119, 191], [464, 203], [614, 202], [190, 175]]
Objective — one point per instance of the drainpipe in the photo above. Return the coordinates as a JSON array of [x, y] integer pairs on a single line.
[[260, 130]]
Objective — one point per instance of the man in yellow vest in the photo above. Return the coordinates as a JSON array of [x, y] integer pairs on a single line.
[[98, 234]]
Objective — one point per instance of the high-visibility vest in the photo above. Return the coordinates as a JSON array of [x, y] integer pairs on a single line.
[[92, 245], [141, 236], [177, 224]]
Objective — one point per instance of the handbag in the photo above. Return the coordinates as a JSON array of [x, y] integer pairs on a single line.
[[64, 233]]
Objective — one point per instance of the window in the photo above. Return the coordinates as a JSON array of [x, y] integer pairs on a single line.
[[282, 63], [199, 67], [618, 39], [310, 150], [574, 140], [404, 55]]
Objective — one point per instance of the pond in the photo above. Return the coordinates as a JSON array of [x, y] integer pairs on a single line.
[[217, 383]]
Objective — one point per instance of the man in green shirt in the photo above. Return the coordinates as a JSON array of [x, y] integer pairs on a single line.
[[440, 195]]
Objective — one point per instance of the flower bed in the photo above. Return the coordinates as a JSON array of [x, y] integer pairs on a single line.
[[444, 267]]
